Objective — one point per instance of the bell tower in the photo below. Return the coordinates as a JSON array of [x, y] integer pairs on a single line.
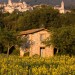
[[62, 4], [62, 9], [9, 2]]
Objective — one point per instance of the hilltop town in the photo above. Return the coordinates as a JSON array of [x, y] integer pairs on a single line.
[[12, 6], [23, 6]]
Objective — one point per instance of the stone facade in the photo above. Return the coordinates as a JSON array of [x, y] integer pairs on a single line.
[[36, 36]]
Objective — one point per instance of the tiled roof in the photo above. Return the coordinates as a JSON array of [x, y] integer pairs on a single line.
[[31, 31]]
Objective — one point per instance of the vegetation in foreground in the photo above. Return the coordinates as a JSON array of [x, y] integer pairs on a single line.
[[58, 65]]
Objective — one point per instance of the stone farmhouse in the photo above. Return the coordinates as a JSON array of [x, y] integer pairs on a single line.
[[36, 36]]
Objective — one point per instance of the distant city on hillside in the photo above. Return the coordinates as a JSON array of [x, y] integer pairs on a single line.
[[22, 6]]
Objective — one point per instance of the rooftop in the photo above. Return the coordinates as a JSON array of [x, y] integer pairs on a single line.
[[31, 31]]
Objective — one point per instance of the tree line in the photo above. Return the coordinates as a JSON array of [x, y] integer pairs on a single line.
[[62, 25]]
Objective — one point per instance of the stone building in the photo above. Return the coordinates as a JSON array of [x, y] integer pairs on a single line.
[[23, 6], [12, 6], [36, 36], [61, 8]]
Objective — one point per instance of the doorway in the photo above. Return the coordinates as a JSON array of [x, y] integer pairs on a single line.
[[42, 51], [55, 51]]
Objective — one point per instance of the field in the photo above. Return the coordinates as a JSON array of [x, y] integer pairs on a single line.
[[58, 65]]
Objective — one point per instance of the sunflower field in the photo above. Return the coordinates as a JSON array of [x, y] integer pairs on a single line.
[[57, 65]]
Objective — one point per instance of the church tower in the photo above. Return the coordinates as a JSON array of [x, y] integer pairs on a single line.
[[9, 2], [62, 9], [62, 4]]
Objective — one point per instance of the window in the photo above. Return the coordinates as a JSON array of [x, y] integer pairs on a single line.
[[42, 37]]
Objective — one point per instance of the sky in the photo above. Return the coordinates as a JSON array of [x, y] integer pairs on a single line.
[[52, 2]]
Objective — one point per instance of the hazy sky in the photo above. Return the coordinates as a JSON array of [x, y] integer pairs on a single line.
[[53, 2]]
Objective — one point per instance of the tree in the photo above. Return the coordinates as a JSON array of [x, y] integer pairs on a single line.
[[63, 39], [24, 43], [10, 21], [46, 16], [1, 45], [8, 39]]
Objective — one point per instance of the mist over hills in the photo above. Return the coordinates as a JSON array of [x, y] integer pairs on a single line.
[[68, 3]]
